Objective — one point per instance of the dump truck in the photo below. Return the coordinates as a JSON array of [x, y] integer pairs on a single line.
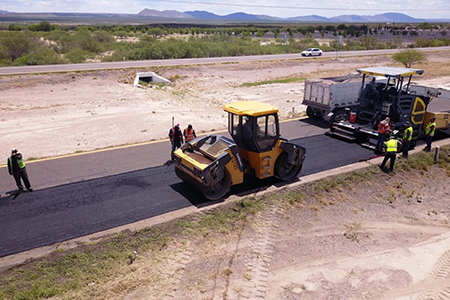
[[395, 98], [214, 163], [330, 96]]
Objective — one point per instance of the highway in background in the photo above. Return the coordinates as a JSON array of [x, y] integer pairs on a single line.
[[190, 61]]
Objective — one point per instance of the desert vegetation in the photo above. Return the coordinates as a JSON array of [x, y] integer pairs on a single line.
[[44, 43]]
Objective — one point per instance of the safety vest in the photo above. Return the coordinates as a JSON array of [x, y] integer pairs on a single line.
[[405, 133], [382, 128], [20, 162], [189, 134], [172, 134], [427, 131], [391, 145]]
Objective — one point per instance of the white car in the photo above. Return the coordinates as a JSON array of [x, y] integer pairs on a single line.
[[312, 52]]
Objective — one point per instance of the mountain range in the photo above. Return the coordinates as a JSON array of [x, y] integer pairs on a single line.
[[197, 15], [240, 16]]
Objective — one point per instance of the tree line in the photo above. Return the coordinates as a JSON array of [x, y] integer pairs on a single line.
[[45, 43]]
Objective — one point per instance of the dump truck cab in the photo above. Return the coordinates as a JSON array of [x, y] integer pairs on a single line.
[[214, 163]]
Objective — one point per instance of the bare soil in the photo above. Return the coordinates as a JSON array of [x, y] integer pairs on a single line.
[[387, 238]]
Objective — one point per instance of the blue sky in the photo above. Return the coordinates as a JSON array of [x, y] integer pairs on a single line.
[[283, 9]]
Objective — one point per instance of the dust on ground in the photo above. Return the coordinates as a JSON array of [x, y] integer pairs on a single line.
[[384, 239]]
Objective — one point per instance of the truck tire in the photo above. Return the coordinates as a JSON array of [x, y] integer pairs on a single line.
[[310, 112], [338, 115]]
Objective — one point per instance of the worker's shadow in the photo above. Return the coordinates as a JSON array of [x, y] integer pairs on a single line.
[[11, 195]]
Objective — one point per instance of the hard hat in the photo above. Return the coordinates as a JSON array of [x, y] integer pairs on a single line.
[[177, 125], [392, 137]]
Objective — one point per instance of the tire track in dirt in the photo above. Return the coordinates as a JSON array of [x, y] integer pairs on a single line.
[[438, 283], [258, 262], [436, 286], [172, 273]]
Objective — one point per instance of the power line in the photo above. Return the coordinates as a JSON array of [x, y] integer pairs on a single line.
[[297, 7]]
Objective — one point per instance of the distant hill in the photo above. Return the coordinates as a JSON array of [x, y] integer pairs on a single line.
[[387, 17], [4, 12], [173, 14], [311, 18], [397, 17], [205, 15]]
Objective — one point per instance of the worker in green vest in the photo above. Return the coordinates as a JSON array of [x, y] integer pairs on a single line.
[[392, 146], [407, 137], [16, 168], [429, 131]]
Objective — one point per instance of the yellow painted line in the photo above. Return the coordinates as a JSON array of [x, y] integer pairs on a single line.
[[122, 147], [90, 152]]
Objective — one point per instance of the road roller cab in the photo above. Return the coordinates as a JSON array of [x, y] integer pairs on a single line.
[[214, 163]]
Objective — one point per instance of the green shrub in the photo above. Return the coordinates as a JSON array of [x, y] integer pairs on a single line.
[[409, 57], [41, 56], [76, 56]]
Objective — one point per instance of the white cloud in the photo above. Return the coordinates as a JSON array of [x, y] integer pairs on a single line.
[[288, 8]]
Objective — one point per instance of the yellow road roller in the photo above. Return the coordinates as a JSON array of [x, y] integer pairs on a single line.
[[214, 163]]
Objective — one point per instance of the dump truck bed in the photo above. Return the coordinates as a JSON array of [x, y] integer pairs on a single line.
[[326, 94]]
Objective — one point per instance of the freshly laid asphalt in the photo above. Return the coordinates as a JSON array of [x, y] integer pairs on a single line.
[[86, 193]]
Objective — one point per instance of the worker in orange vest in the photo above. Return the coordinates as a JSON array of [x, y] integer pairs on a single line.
[[383, 128], [189, 133]]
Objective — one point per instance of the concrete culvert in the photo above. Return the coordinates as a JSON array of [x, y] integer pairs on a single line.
[[149, 77]]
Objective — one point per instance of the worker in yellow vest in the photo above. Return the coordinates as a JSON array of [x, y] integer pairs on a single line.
[[392, 146], [407, 137], [16, 168], [189, 133], [429, 131]]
